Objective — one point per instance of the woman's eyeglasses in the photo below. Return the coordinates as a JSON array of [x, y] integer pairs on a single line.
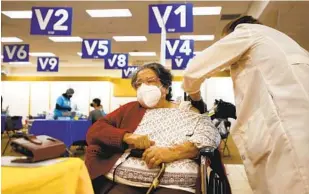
[[148, 81]]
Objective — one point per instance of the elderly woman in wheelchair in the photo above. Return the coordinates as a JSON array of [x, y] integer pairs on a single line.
[[170, 136]]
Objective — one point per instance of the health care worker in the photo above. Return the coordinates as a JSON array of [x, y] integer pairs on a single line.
[[63, 104], [270, 73]]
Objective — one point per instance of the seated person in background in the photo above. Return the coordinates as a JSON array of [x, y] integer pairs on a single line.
[[170, 133], [98, 111], [63, 104]]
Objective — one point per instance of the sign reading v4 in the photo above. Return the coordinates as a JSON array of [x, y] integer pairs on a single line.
[[51, 21], [95, 48], [16, 53], [179, 48], [127, 72], [175, 17], [116, 61], [48, 64], [180, 63]]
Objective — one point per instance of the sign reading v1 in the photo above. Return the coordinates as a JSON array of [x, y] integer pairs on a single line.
[[179, 48], [116, 61], [127, 72], [48, 64], [16, 53], [51, 21], [175, 17], [95, 48]]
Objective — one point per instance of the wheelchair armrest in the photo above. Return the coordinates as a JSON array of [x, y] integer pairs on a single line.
[[208, 151]]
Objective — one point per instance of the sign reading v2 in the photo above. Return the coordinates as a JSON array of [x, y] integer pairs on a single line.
[[175, 18], [179, 48], [116, 61], [95, 48], [51, 21]]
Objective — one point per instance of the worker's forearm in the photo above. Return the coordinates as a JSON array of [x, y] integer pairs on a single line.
[[186, 150]]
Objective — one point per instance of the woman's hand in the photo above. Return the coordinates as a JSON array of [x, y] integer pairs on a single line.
[[138, 141], [154, 156]]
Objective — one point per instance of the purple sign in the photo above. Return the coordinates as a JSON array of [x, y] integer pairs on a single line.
[[16, 53], [127, 72], [50, 64], [179, 48], [51, 21], [180, 63], [116, 61], [175, 17], [95, 48]]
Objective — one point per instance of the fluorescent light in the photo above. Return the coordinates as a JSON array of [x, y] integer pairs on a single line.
[[79, 53], [129, 38], [42, 54], [66, 39], [197, 52], [18, 14], [142, 54], [11, 39], [20, 63], [198, 37], [100, 13], [207, 10]]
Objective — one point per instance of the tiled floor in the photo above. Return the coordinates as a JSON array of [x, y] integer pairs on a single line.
[[238, 179]]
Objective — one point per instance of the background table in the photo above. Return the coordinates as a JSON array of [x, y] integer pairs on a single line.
[[66, 177], [68, 131]]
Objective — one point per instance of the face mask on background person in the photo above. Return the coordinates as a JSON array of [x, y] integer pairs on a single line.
[[149, 95]]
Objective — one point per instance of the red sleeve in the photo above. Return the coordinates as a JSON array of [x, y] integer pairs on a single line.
[[106, 130]]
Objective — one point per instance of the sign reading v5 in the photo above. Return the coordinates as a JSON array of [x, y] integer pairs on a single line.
[[116, 61], [127, 72], [179, 48], [16, 53], [175, 17], [51, 21], [95, 48], [48, 64], [179, 63]]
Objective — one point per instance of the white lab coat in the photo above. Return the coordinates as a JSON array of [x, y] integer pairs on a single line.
[[270, 73]]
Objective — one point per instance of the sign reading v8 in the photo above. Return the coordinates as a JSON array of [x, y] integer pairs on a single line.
[[95, 48], [179, 48], [51, 21], [16, 53], [175, 18], [116, 61]]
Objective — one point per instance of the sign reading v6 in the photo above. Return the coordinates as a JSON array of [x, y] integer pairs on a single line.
[[48, 64], [175, 18], [179, 48], [127, 72], [95, 48], [116, 61], [16, 53], [51, 21]]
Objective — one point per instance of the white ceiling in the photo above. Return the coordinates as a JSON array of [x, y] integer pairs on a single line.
[[289, 17]]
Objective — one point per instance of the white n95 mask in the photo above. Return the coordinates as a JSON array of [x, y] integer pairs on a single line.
[[148, 95]]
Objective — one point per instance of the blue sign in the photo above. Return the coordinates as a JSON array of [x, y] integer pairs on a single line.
[[116, 61], [51, 21], [50, 64], [179, 48], [16, 53], [127, 72], [175, 17], [95, 48], [180, 63]]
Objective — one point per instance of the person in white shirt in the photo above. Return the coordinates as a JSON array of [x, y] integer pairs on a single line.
[[270, 73]]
